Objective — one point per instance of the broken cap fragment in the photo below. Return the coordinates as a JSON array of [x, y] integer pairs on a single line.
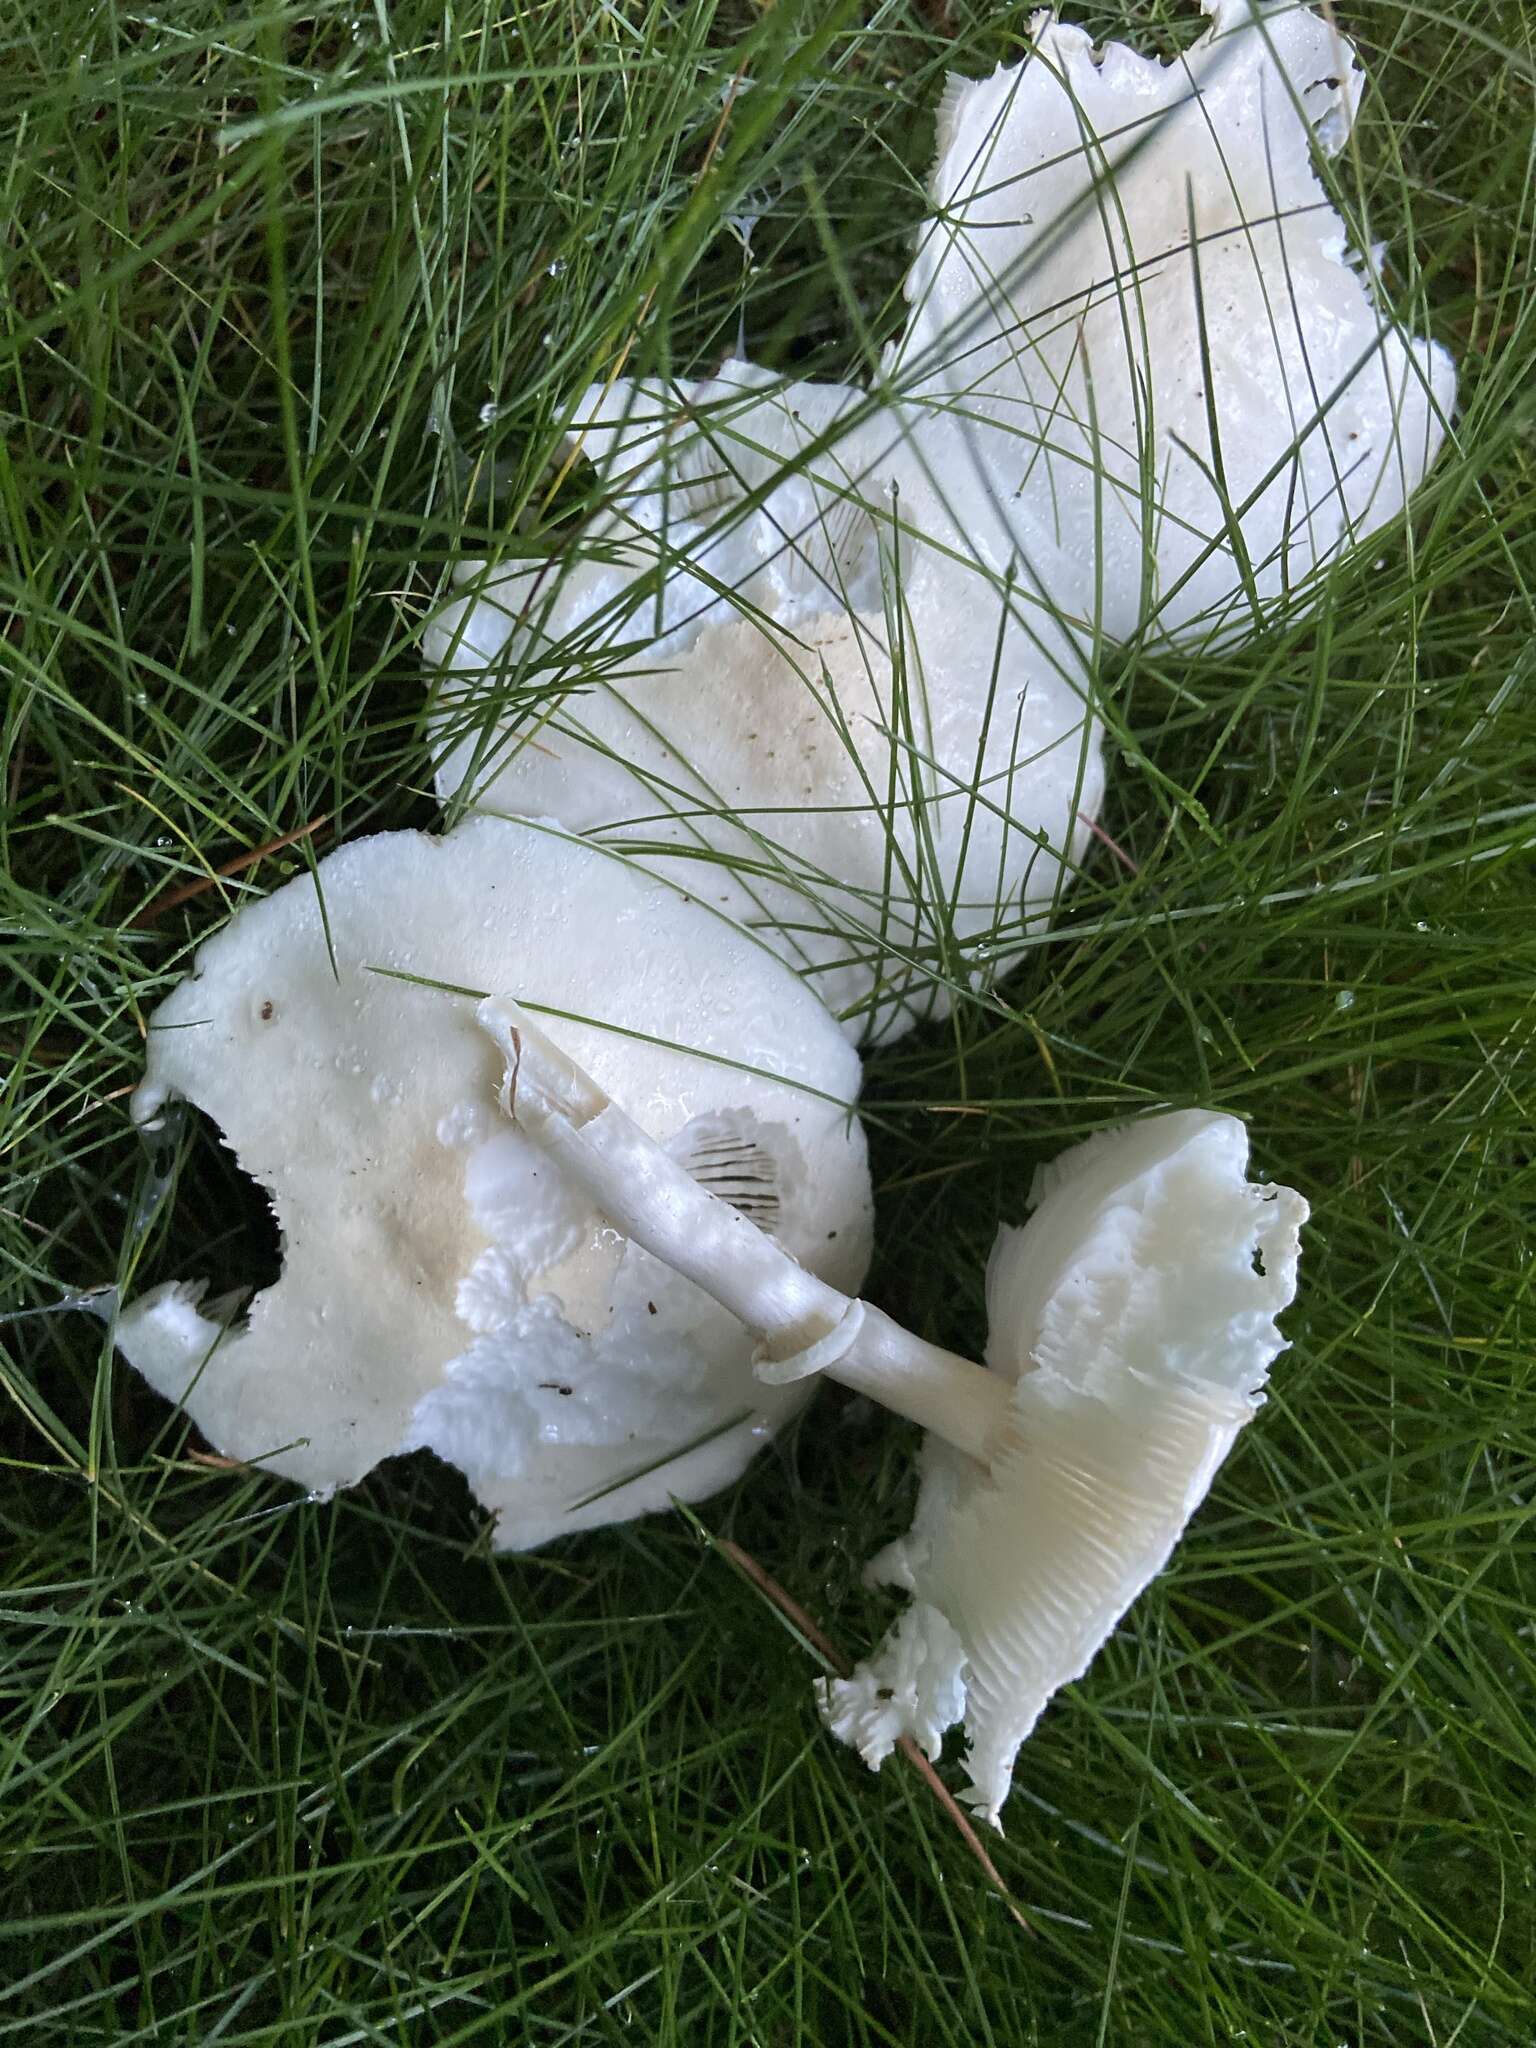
[[1132, 1330], [442, 1287], [1138, 304]]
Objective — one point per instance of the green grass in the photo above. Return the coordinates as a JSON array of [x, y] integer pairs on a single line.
[[277, 1771]]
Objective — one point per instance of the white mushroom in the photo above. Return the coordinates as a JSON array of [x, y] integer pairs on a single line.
[[1132, 1330], [442, 1286]]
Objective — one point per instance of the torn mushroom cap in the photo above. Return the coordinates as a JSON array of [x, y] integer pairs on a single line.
[[1135, 1315], [1133, 1326], [896, 758], [441, 1286], [1138, 293]]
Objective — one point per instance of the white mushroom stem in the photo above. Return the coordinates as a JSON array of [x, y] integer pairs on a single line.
[[804, 1325]]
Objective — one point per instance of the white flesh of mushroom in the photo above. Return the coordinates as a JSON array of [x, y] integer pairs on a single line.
[[1132, 1331], [442, 1286]]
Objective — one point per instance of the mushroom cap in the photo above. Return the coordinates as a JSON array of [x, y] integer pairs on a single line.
[[1135, 289], [802, 702], [442, 1286], [1135, 1315]]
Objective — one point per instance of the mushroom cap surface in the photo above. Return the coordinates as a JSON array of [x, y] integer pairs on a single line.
[[800, 692], [441, 1285], [1135, 1315], [1136, 291]]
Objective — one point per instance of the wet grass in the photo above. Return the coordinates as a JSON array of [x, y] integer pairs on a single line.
[[278, 1771]]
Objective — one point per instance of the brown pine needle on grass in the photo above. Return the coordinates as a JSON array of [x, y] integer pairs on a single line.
[[818, 1639], [188, 892]]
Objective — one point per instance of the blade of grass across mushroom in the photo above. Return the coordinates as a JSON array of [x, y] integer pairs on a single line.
[[746, 878], [693, 571], [1132, 1331], [663, 1460], [838, 934], [608, 1028]]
